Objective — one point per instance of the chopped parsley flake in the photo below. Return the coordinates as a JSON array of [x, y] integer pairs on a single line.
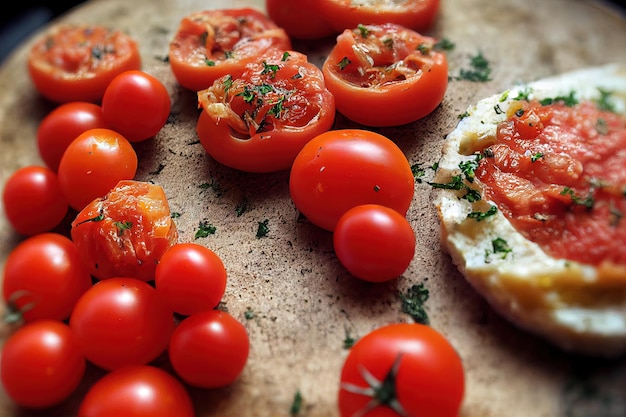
[[209, 63], [363, 30], [262, 229], [285, 56], [587, 202], [249, 314], [500, 246], [479, 71], [242, 207], [122, 226], [413, 303], [482, 215], [444, 45], [536, 156], [296, 405], [344, 63], [205, 229], [270, 69], [418, 172], [604, 102], [569, 100]]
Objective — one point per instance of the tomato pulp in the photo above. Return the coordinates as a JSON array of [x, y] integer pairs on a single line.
[[558, 174]]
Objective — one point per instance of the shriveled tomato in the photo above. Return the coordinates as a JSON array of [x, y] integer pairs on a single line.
[[402, 369], [137, 391], [213, 43], [120, 322], [33, 200], [44, 277], [93, 164], [41, 364], [77, 62], [419, 15], [385, 75], [191, 278], [125, 232], [64, 124], [136, 104], [209, 349], [375, 243], [340, 169], [259, 121], [301, 19]]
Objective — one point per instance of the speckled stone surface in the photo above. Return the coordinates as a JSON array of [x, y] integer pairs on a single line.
[[305, 303]]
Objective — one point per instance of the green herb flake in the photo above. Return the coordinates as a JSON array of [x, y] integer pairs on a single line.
[[482, 215], [270, 69], [277, 107], [285, 56], [363, 30], [122, 226], [569, 100], [98, 218], [523, 95], [587, 202], [262, 229], [227, 83], [205, 229], [175, 215], [229, 54], [444, 45], [209, 63], [424, 48], [349, 341], [536, 156], [455, 183], [604, 102], [480, 69], [468, 168], [242, 207], [501, 246], [463, 115], [344, 63], [296, 405], [388, 42], [249, 314], [418, 172], [413, 303], [472, 195]]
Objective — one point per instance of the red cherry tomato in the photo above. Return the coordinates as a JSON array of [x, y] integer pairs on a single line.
[[374, 242], [136, 104], [402, 369], [93, 164], [301, 19], [64, 124], [210, 44], [41, 364], [33, 200], [191, 278], [120, 322], [137, 391], [340, 169], [77, 62], [44, 277], [259, 121], [385, 75], [209, 349]]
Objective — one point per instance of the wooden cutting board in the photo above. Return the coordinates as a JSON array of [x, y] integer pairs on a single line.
[[304, 303]]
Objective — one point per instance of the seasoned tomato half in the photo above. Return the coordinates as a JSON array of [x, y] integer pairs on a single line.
[[259, 121], [212, 43], [385, 75], [76, 63], [126, 232]]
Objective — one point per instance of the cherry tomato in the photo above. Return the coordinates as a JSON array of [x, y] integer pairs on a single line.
[[137, 391], [93, 164], [44, 277], [120, 322], [77, 62], [402, 369], [301, 19], [418, 15], [62, 125], [259, 121], [126, 232], [136, 104], [33, 200], [374, 242], [385, 75], [191, 278], [209, 349], [210, 44], [340, 169], [41, 364]]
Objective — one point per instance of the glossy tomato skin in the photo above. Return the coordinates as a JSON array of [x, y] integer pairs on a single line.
[[375, 243], [137, 391], [33, 200], [77, 62], [41, 365], [93, 164], [191, 278], [209, 349], [301, 19], [210, 44], [340, 169], [64, 124], [120, 322], [250, 124], [429, 380], [136, 104], [44, 277], [126, 232], [385, 75]]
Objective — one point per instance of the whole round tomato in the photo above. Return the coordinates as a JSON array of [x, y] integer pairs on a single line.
[[402, 369], [62, 125], [301, 19], [44, 277], [77, 62], [209, 349], [385, 75], [340, 169], [190, 278], [374, 243], [33, 200], [93, 164], [41, 364], [137, 391], [136, 104], [120, 322]]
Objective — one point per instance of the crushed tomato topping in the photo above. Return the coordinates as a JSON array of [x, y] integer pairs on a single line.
[[558, 173]]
